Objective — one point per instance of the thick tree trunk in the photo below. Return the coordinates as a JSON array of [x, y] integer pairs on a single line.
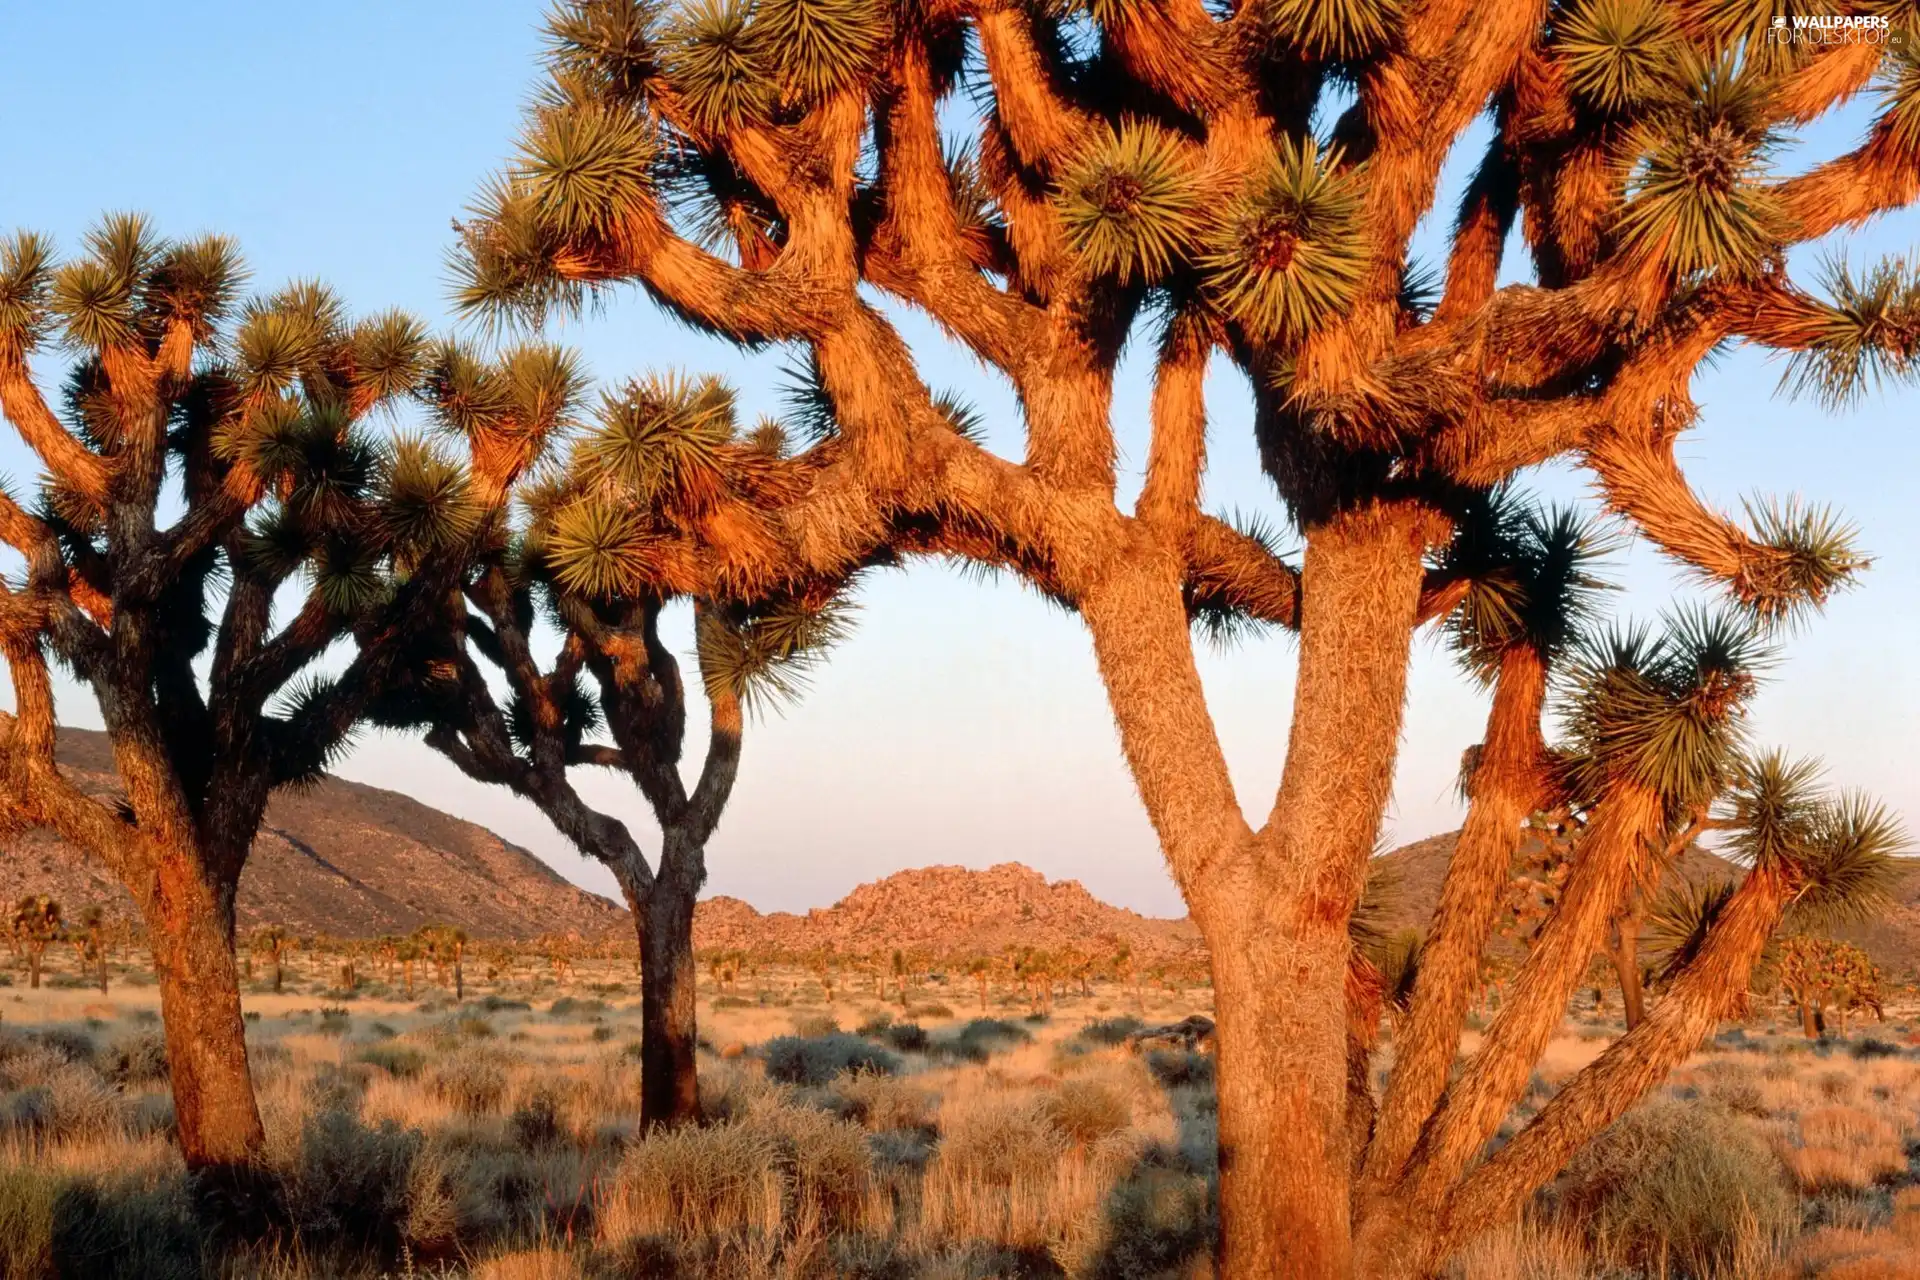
[[1274, 909], [190, 925], [669, 1030], [33, 970]]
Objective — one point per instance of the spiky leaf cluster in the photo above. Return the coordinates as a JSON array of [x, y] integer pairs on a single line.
[[1697, 200], [1620, 54], [1663, 713], [1288, 255], [717, 65], [1866, 333], [1532, 583], [1131, 203], [588, 167], [764, 656], [1340, 30], [818, 47]]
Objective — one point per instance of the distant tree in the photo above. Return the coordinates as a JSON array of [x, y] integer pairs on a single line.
[[1819, 974], [91, 938], [273, 942], [661, 458], [213, 517], [445, 947], [35, 927]]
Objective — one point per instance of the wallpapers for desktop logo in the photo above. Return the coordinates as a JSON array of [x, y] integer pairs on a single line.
[[1833, 28]]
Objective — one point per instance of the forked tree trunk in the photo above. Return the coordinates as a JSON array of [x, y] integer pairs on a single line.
[[190, 927], [1504, 789], [1274, 909]]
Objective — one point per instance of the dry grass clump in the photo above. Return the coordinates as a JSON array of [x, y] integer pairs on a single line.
[[1678, 1186], [883, 1103], [471, 1081], [1086, 1111], [1843, 1147], [692, 1182], [1527, 1250]]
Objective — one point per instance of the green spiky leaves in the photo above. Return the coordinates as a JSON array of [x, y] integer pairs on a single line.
[[1335, 30], [1665, 713], [1290, 252], [1848, 870], [717, 65], [424, 502], [1131, 203], [588, 167], [598, 548], [1814, 555], [763, 657], [1620, 54], [1867, 334], [1697, 200], [818, 47], [663, 439], [603, 48], [26, 283], [1532, 581]]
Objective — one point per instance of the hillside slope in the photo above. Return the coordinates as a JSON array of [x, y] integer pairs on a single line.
[[950, 910], [337, 857]]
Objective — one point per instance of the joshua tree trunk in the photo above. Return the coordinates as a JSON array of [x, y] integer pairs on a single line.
[[1504, 788], [1279, 961], [190, 924], [1624, 952], [101, 969], [669, 1078]]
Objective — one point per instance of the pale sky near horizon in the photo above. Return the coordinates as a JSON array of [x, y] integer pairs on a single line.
[[964, 721]]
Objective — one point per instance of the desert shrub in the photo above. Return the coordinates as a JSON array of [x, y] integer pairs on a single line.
[[981, 1038], [908, 1037], [69, 1042], [402, 1061], [469, 1083], [932, 1009], [696, 1182], [900, 1148], [500, 1004], [601, 1034], [57, 1226], [334, 1021], [882, 1102], [1109, 1031], [573, 1007], [815, 1025], [1181, 1068], [149, 1115], [1871, 1048], [1676, 1184], [140, 1058], [874, 1025], [1086, 1111], [824, 1161], [733, 1002], [349, 1182], [55, 1097], [1157, 1223], [815, 1060], [535, 1123]]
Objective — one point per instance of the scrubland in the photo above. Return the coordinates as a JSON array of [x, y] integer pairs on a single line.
[[499, 1139]]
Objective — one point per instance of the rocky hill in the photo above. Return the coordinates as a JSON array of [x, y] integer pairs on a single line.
[[949, 910], [341, 858]]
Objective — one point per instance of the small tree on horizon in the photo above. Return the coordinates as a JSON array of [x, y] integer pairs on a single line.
[[35, 926]]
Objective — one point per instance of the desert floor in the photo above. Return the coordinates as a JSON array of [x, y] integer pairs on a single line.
[[498, 1137]]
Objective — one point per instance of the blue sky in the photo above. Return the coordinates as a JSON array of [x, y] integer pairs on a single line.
[[964, 722]]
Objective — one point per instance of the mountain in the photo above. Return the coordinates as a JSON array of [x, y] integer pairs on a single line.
[[950, 910], [336, 857]]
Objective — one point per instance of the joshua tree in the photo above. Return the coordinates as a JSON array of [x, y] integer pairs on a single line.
[[272, 942], [445, 947], [660, 457], [90, 942], [213, 517], [35, 927], [1818, 974], [1151, 170]]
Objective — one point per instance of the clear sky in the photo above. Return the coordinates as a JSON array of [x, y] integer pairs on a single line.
[[964, 722]]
